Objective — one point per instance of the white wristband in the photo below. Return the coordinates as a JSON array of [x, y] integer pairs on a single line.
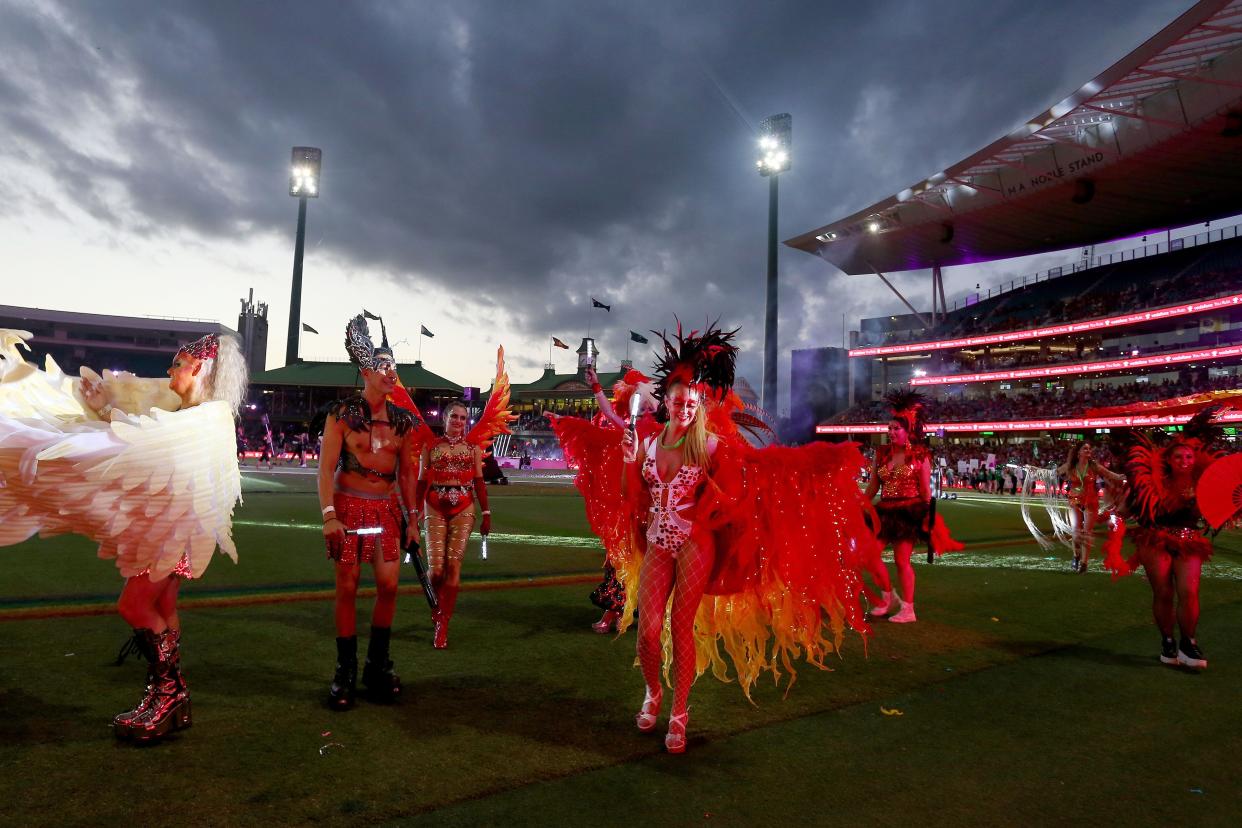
[[487, 511], [327, 509]]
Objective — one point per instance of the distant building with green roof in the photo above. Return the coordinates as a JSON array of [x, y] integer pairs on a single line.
[[293, 394]]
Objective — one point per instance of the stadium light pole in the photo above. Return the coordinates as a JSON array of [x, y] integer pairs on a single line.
[[775, 135], [303, 184]]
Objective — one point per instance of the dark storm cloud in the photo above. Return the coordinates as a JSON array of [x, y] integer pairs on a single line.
[[532, 154]]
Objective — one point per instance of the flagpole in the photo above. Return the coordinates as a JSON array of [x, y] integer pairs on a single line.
[[420, 341], [549, 350]]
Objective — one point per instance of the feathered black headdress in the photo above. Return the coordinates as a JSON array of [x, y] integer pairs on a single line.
[[1201, 430], [362, 352], [703, 360], [909, 407]]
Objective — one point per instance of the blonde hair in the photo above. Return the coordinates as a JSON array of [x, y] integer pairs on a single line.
[[694, 450], [224, 378]]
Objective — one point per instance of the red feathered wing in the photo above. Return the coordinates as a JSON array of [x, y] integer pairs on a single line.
[[496, 415], [423, 435]]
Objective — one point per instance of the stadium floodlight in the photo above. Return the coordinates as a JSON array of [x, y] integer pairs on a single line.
[[304, 172], [775, 137], [303, 184]]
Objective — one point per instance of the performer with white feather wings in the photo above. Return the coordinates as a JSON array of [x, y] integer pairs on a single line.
[[147, 469]]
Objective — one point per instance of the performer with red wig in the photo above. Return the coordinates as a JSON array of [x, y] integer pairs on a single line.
[[901, 474], [369, 443], [147, 469]]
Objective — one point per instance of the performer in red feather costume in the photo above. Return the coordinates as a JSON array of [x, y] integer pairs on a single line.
[[902, 475], [749, 550], [1171, 538]]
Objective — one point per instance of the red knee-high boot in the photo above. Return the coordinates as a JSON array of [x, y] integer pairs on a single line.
[[448, 600]]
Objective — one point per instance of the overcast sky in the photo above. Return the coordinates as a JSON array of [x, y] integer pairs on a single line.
[[490, 166]]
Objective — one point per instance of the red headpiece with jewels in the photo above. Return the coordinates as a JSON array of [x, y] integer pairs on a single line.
[[208, 347], [910, 409]]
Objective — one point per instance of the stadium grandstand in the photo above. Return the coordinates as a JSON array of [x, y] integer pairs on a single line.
[[1152, 142]]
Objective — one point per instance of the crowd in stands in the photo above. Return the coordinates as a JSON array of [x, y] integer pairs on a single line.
[[1040, 404], [959, 363], [1168, 279], [533, 421]]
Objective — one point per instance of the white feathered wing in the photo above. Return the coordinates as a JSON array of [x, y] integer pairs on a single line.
[[149, 488]]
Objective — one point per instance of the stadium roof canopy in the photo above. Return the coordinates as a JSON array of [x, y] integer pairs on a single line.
[[1154, 141]]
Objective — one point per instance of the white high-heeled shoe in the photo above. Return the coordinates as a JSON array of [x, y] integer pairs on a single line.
[[675, 739], [648, 717]]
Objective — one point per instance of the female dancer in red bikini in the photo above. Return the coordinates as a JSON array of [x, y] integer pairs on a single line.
[[1084, 473], [450, 480]]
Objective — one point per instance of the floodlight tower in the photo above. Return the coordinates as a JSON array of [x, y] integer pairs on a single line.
[[303, 184], [775, 134]]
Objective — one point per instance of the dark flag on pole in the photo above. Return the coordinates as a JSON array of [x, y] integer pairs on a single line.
[[595, 303], [426, 332], [637, 337], [308, 328], [559, 344], [369, 315]]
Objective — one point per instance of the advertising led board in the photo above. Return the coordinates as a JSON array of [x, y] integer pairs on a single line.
[[1205, 306]]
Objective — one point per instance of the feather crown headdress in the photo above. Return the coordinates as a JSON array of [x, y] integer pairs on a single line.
[[910, 409], [705, 361], [1148, 460], [362, 351]]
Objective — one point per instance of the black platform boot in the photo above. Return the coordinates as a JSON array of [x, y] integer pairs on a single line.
[[341, 693], [382, 683]]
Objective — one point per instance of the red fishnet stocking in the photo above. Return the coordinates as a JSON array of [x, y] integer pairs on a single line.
[[685, 576]]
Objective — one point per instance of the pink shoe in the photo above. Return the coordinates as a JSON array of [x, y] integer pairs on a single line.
[[675, 739], [648, 717], [884, 606], [905, 616]]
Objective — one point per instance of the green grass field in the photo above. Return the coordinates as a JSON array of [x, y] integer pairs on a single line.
[[1024, 695]]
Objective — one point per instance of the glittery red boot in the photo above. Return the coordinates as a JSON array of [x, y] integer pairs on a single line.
[[166, 708]]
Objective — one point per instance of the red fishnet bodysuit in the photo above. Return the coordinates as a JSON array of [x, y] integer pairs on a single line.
[[674, 563]]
